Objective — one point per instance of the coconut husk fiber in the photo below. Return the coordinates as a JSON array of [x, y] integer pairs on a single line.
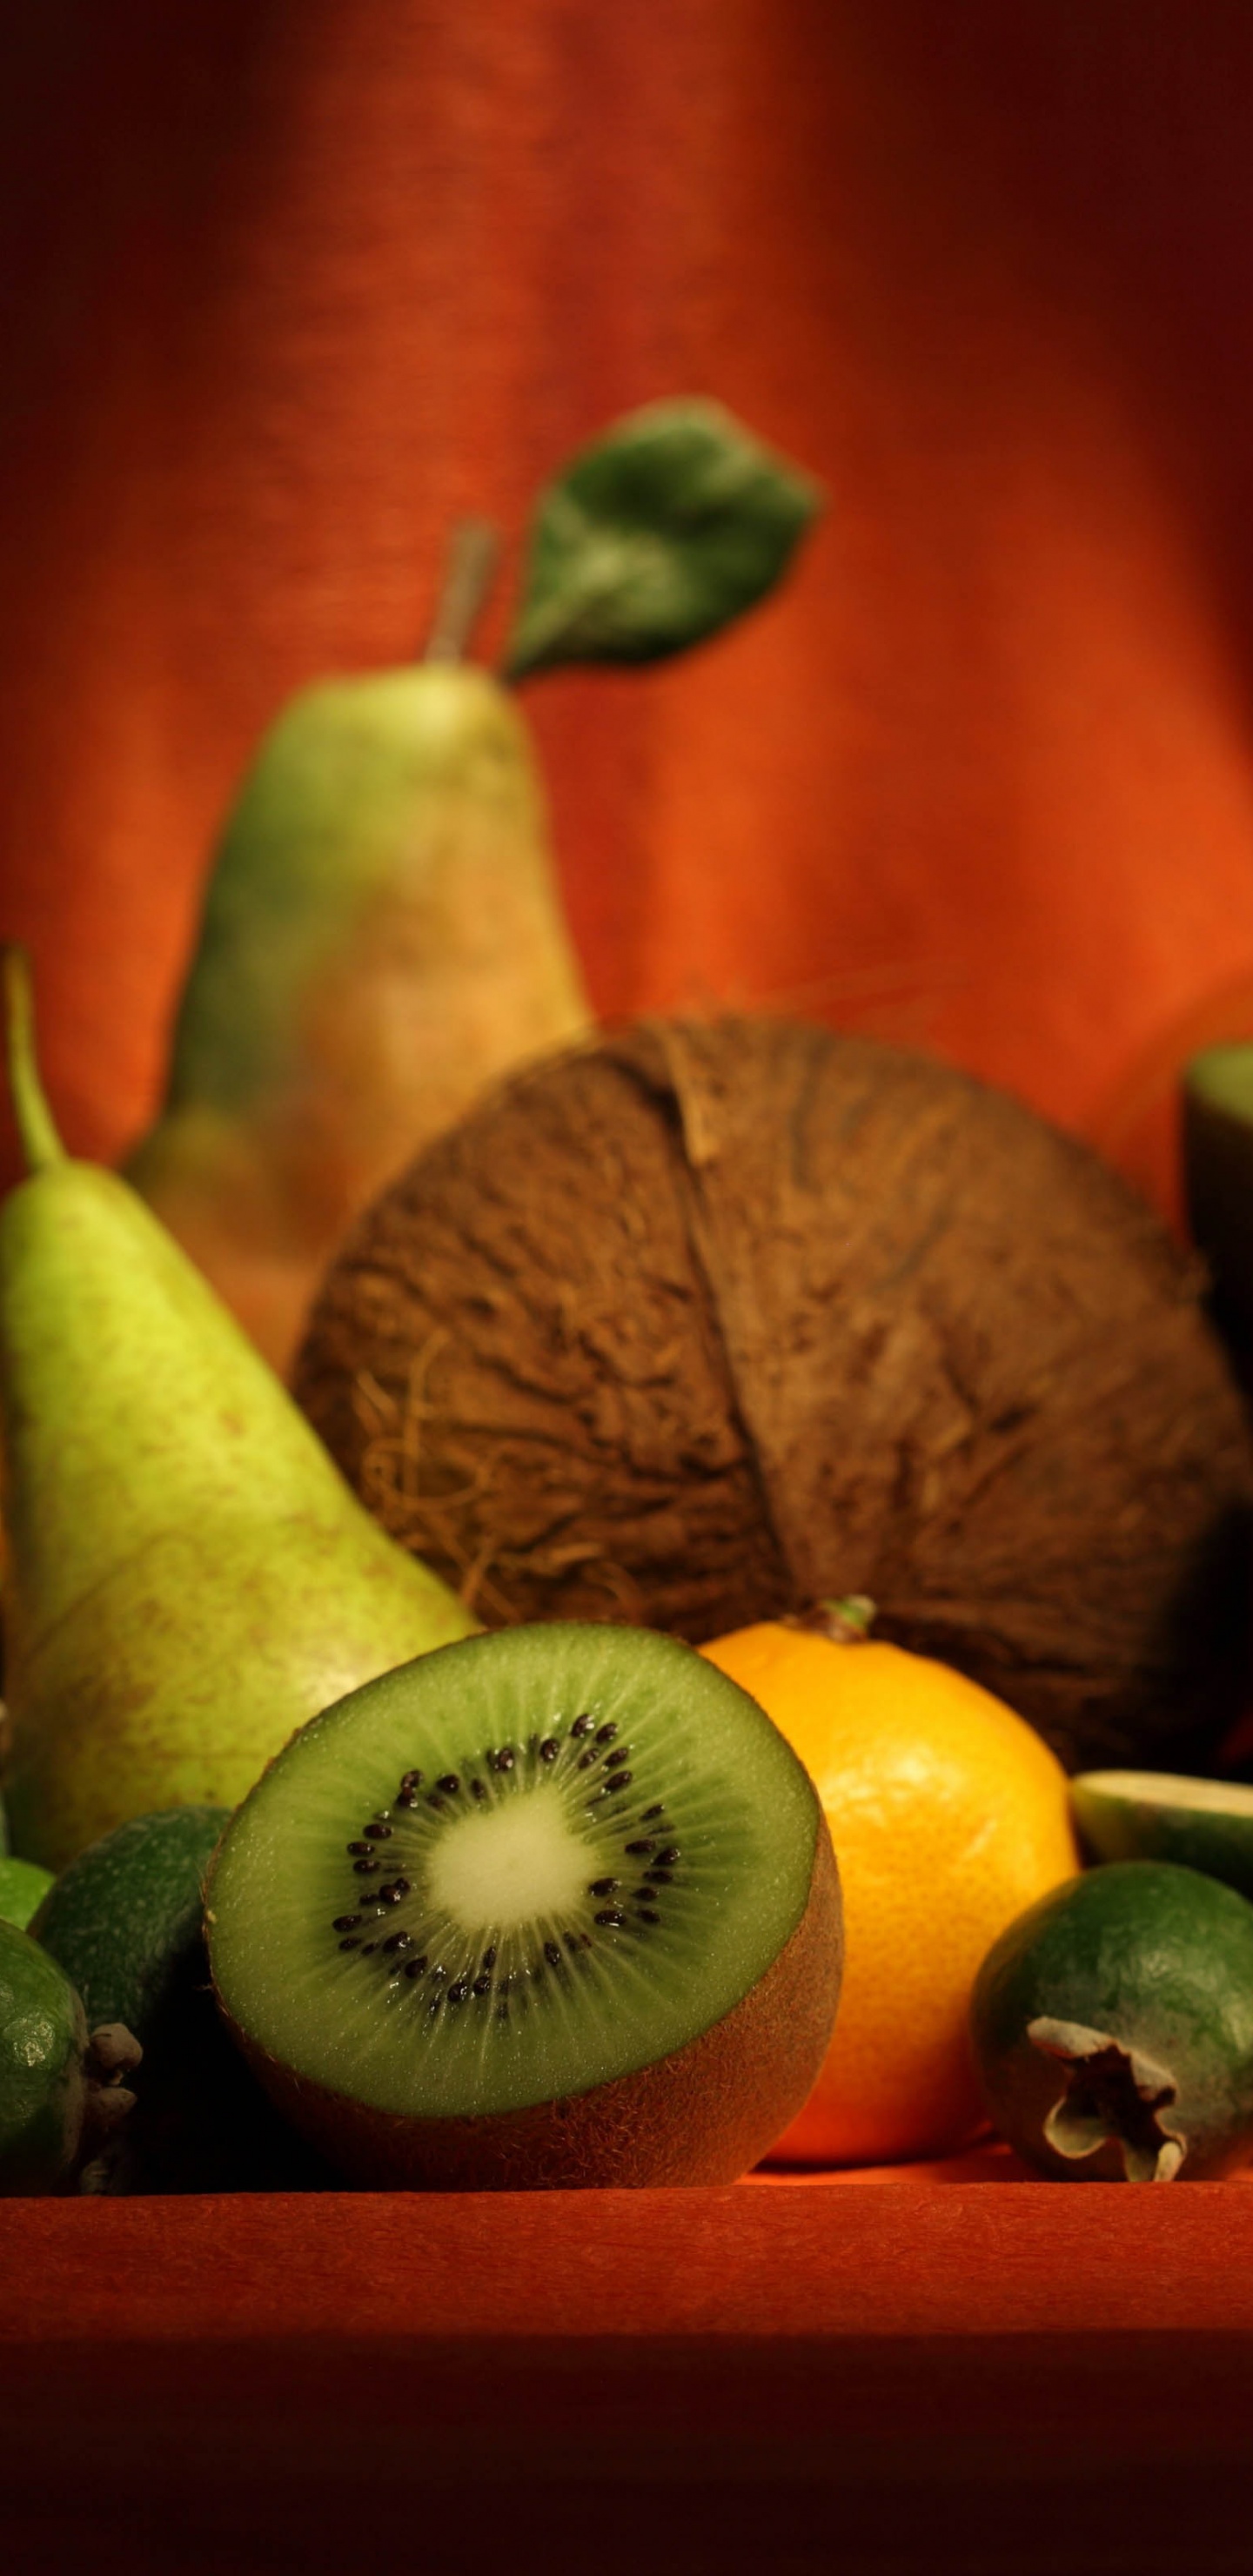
[[704, 1321]]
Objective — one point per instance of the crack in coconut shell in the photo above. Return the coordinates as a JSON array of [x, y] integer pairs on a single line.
[[707, 1320]]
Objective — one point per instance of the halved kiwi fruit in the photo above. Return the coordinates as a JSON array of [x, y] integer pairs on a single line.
[[1164, 1815], [556, 1906]]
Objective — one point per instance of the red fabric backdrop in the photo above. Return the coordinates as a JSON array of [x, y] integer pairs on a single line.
[[287, 284]]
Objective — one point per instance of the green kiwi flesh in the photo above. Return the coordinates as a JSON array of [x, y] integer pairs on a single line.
[[1162, 1815], [555, 1906]]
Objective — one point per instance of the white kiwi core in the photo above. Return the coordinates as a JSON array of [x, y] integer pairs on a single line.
[[508, 1866]]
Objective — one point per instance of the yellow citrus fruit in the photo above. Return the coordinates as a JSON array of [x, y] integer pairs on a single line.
[[949, 1814]]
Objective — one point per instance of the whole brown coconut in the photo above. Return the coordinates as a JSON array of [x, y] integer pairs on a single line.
[[699, 1323]]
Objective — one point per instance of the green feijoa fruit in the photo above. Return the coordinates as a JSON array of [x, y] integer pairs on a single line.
[[1113, 2027], [23, 1887], [126, 1922], [43, 2087], [553, 1906], [60, 2090], [1155, 1815], [126, 1918]]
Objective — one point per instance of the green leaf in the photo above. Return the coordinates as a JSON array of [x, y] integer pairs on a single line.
[[655, 536]]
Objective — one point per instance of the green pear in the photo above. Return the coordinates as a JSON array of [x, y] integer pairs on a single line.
[[188, 1578], [382, 936], [382, 933]]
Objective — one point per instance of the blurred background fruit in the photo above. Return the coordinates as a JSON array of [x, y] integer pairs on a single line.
[[293, 288]]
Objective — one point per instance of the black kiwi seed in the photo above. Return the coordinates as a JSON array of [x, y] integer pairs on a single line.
[[399, 1941], [666, 1859], [650, 1812], [481, 1986], [352, 1943], [364, 1867], [552, 1954], [612, 1760], [504, 1760], [416, 1967], [346, 1922], [449, 1783], [585, 1761], [377, 1833], [406, 1797], [604, 1887], [583, 1725], [458, 1991], [606, 1734], [477, 1789], [660, 1877], [646, 1915], [411, 1780], [356, 1847], [549, 1749], [611, 1917], [619, 1780], [646, 1846]]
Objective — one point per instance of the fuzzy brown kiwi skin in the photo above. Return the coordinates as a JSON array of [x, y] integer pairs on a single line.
[[703, 2115]]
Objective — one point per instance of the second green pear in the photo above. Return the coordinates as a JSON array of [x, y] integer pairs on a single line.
[[382, 937], [188, 1578]]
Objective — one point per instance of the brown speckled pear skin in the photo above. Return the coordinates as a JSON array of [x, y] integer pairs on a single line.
[[711, 1319], [703, 2115]]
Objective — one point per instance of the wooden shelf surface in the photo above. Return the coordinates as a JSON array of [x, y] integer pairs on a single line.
[[787, 2381]]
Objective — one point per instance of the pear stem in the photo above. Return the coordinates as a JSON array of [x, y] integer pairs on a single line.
[[468, 576], [40, 1142]]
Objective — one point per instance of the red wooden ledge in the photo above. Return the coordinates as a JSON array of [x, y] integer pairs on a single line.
[[792, 2382], [1041, 2259]]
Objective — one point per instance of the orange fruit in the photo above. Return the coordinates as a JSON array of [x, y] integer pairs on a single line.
[[949, 1814]]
